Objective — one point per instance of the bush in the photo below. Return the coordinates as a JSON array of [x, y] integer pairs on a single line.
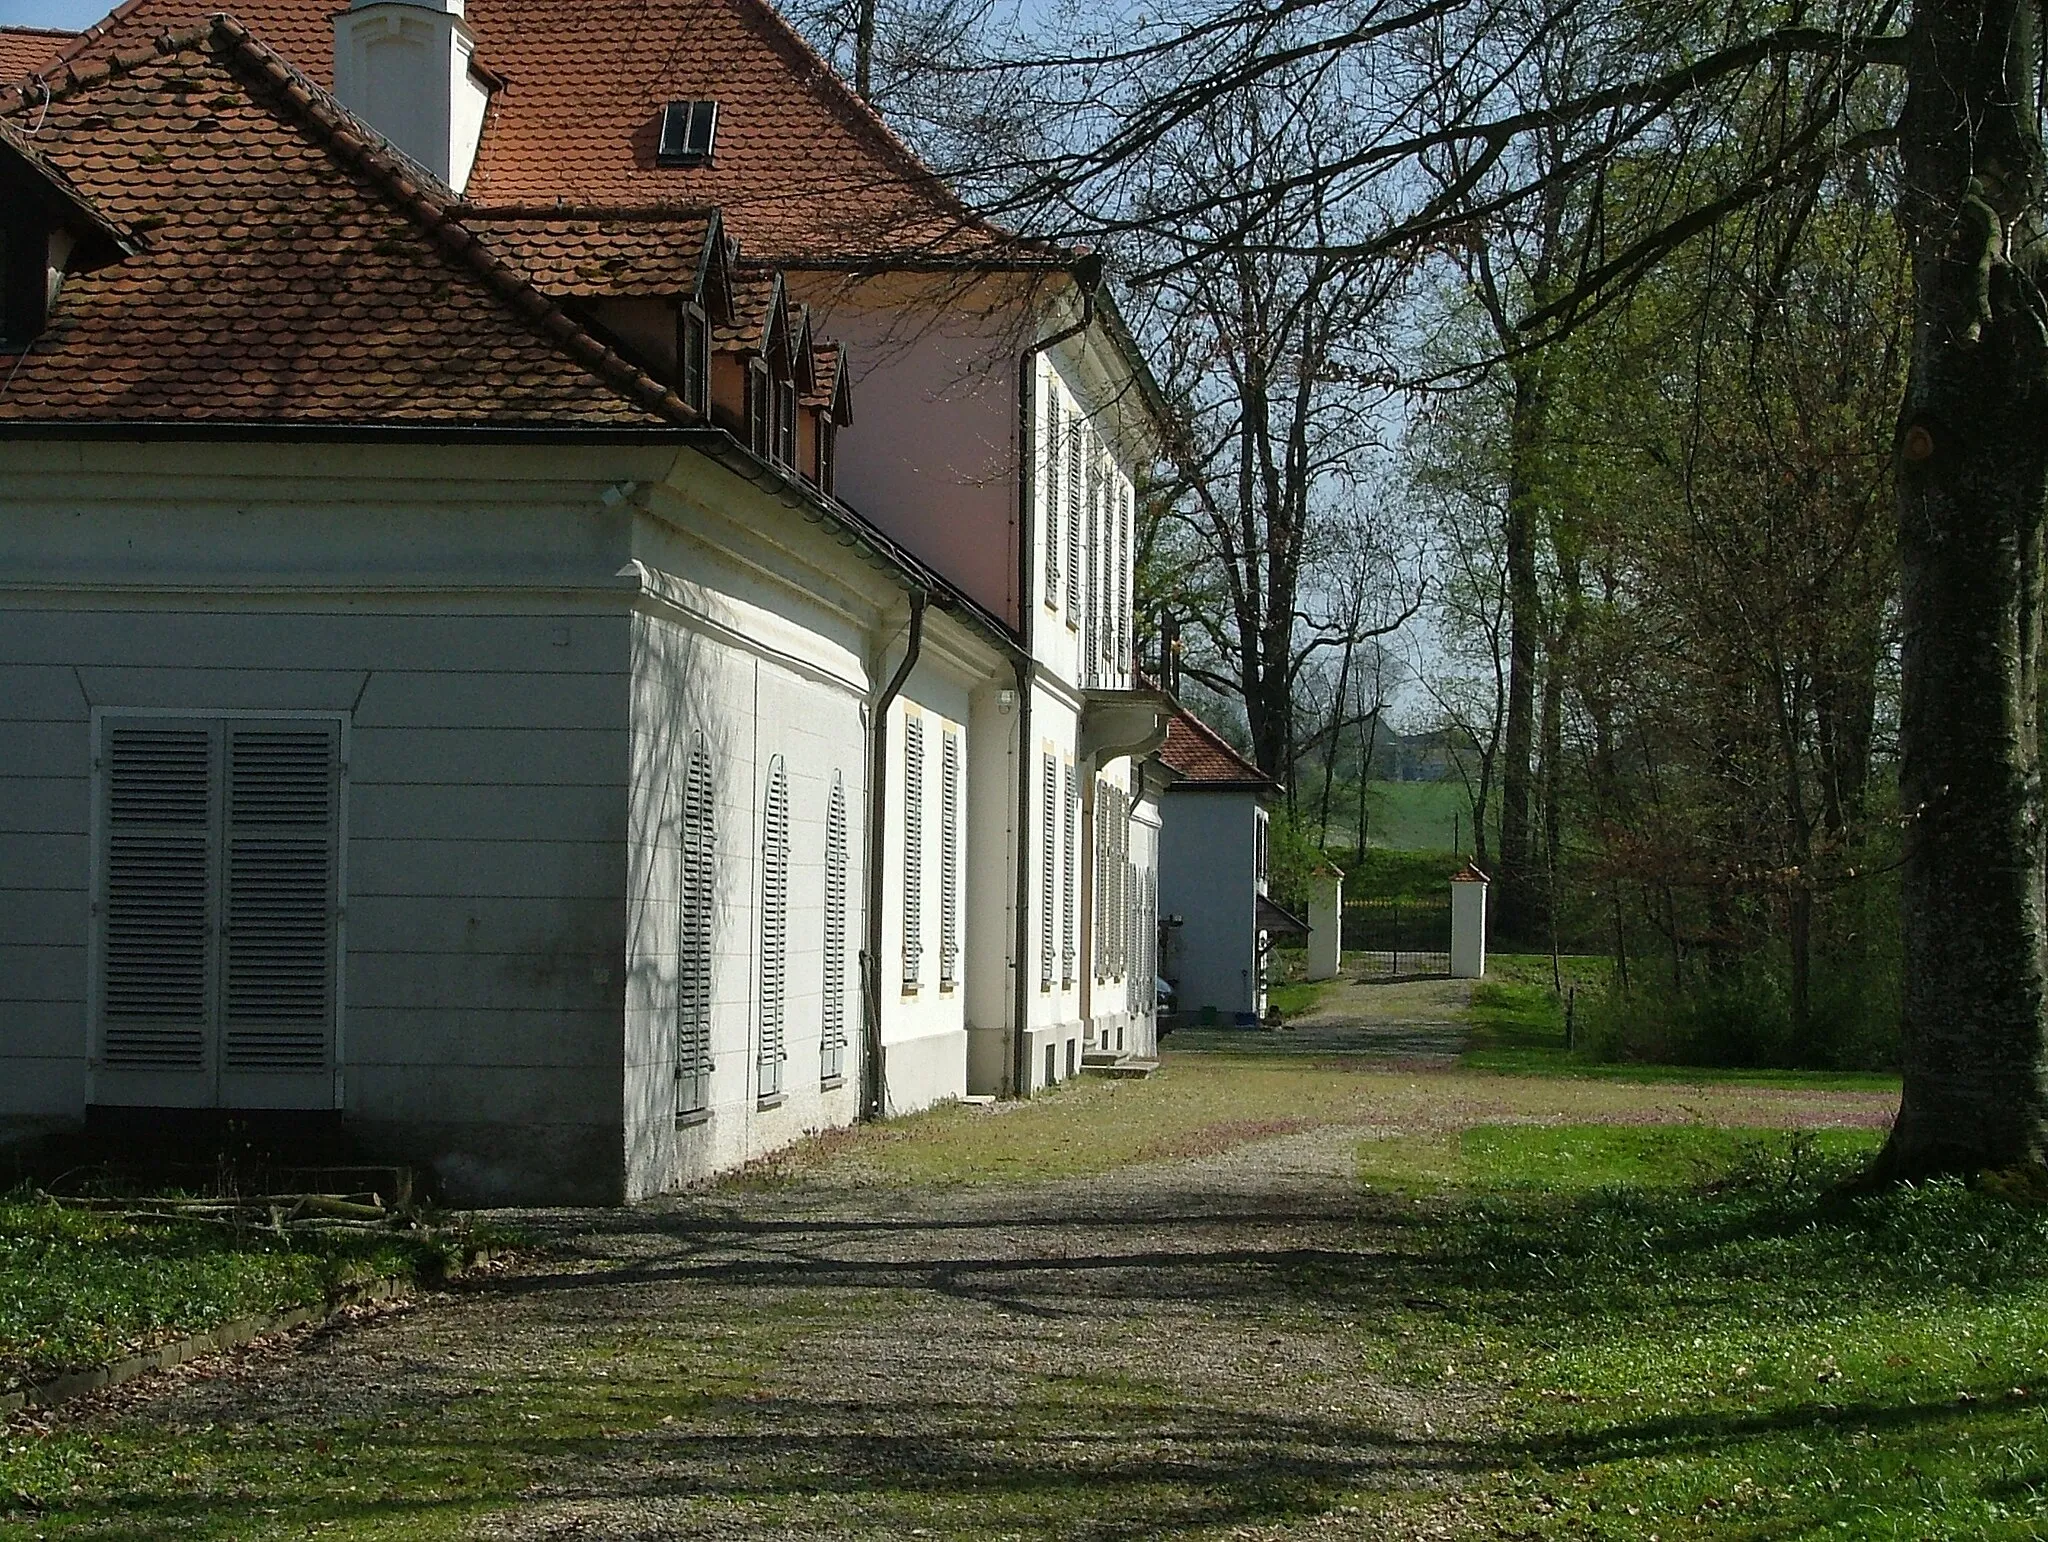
[[1740, 1016]]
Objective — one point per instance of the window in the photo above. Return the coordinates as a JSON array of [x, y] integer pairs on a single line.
[[1052, 495], [1069, 821], [949, 860], [760, 408], [774, 928], [913, 850], [785, 422], [1259, 850], [688, 132], [693, 358], [697, 858], [217, 901], [24, 277], [832, 1030], [1074, 519], [1048, 789], [827, 450]]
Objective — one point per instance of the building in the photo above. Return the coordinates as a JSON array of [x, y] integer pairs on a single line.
[[1213, 848], [534, 505]]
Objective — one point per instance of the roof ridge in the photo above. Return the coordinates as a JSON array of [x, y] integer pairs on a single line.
[[52, 86], [352, 141], [653, 212], [99, 29]]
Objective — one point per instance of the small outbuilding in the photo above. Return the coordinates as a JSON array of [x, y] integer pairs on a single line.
[[1216, 916]]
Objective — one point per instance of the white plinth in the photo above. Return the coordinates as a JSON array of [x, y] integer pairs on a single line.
[[1468, 927]]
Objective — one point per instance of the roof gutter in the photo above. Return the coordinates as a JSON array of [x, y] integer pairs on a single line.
[[873, 1089], [1087, 272]]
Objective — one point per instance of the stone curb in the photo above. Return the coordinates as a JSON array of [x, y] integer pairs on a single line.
[[229, 1335]]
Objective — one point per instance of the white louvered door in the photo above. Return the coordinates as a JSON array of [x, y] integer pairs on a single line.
[[218, 909]]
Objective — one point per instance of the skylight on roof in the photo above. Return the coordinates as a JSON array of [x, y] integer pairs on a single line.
[[687, 132]]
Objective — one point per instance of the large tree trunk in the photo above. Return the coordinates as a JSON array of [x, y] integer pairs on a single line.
[[1972, 459], [1515, 889]]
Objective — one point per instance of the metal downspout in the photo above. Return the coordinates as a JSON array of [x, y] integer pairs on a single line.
[[872, 1100], [1087, 273]]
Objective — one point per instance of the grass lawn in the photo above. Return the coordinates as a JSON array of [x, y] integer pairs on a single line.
[[1403, 875], [1297, 997], [1694, 1335], [79, 1287], [1417, 816]]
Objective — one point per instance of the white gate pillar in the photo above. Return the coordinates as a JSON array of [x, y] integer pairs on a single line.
[[1326, 923], [1468, 924]]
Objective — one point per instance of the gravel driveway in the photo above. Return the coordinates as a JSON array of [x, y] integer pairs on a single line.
[[1135, 1355]]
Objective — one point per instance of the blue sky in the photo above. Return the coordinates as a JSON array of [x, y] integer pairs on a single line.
[[52, 13]]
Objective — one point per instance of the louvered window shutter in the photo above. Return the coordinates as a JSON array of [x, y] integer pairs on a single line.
[[1053, 451], [1111, 872], [693, 973], [1069, 819], [278, 997], [1105, 588], [219, 911], [949, 858], [1091, 620], [774, 926], [1074, 519], [156, 920], [1123, 583], [1048, 790], [832, 1037], [913, 849], [1096, 877]]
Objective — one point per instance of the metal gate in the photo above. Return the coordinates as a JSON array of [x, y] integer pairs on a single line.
[[1392, 939]]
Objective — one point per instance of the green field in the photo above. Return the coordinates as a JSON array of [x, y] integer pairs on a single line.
[[1418, 816]]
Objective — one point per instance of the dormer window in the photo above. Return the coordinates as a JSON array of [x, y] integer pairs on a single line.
[[688, 130], [785, 421], [693, 358], [24, 282], [760, 433], [826, 430]]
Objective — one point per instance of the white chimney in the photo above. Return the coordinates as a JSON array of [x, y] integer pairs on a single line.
[[402, 66]]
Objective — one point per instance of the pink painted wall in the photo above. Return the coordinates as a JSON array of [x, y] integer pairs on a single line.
[[931, 456]]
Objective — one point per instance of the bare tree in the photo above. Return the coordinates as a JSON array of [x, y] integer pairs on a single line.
[[1277, 365]]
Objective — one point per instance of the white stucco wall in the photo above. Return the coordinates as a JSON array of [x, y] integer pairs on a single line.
[[487, 765]]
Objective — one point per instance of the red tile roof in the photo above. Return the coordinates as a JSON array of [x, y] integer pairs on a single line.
[[1200, 754], [801, 167], [26, 50], [655, 253], [290, 270]]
